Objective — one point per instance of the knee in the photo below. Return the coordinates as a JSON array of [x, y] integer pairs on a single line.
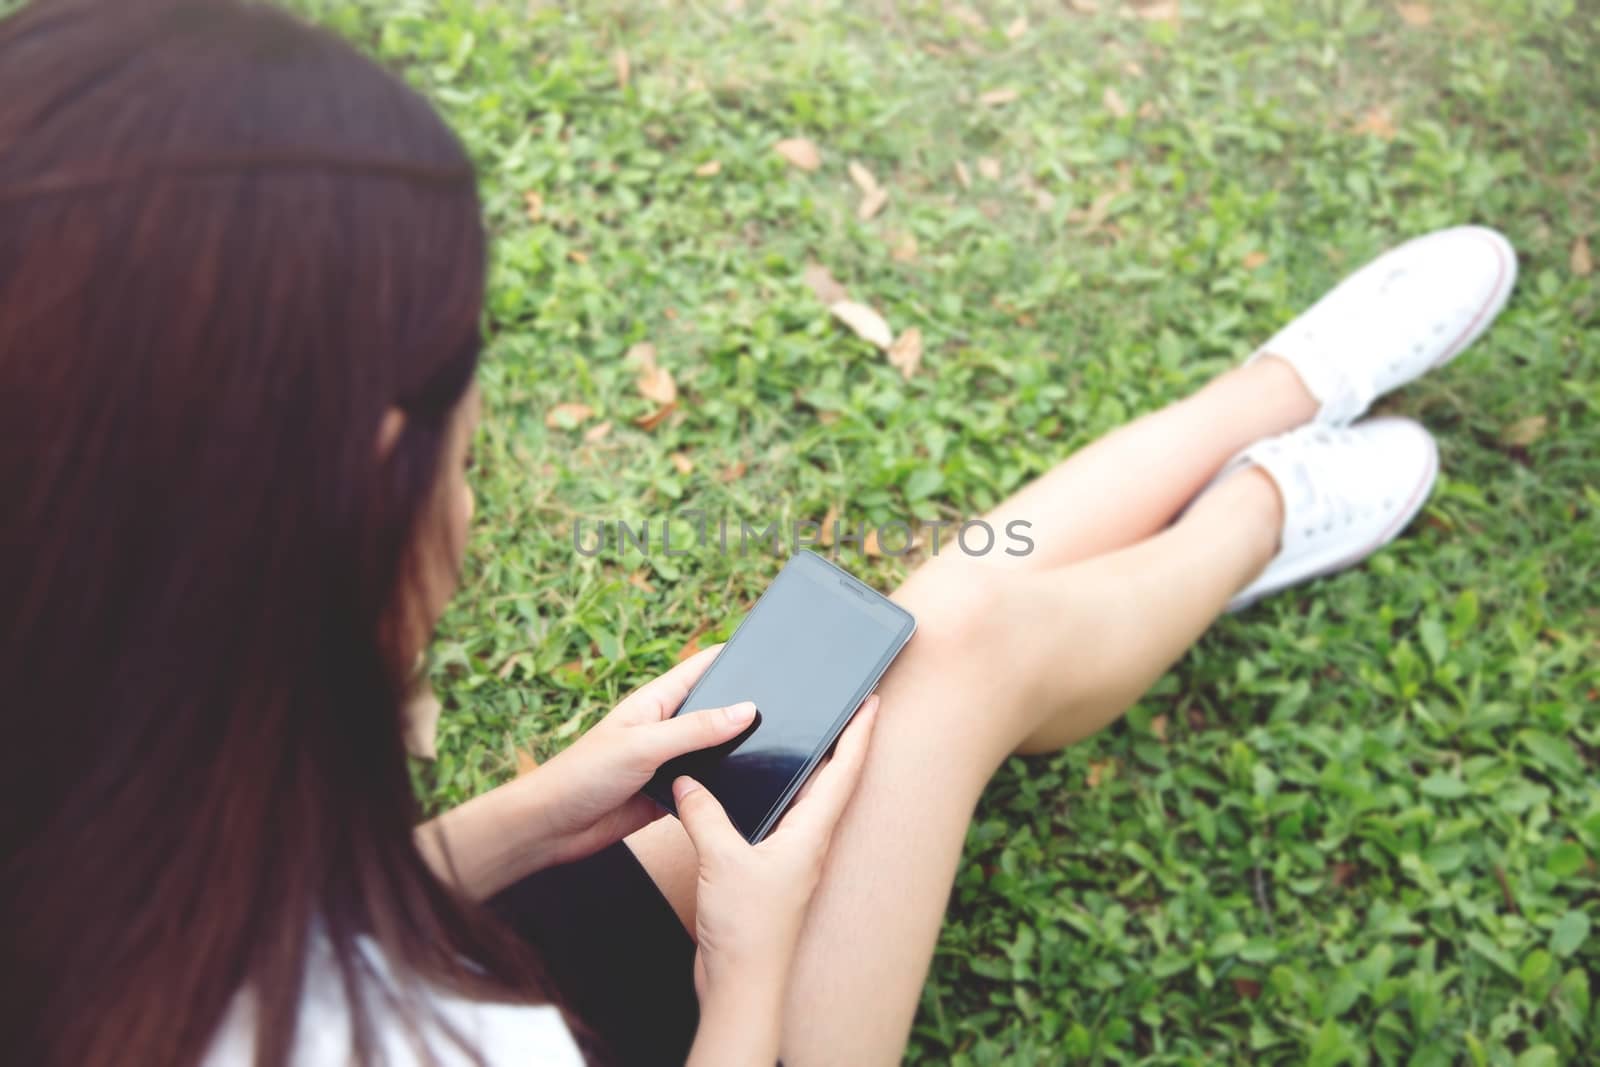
[[958, 698], [957, 604]]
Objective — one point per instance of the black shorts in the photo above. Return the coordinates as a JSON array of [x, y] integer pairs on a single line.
[[616, 952]]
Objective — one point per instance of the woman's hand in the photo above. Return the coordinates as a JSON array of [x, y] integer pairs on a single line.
[[589, 794], [751, 900], [585, 798]]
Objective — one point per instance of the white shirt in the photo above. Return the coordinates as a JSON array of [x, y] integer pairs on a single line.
[[503, 1034]]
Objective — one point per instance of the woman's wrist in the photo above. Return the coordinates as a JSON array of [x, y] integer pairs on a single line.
[[748, 988], [740, 1021]]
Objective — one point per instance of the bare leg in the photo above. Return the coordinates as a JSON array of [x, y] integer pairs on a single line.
[[1128, 484], [1016, 658], [1083, 642]]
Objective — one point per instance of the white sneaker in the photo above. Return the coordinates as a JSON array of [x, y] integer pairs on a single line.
[[1347, 491], [1410, 310]]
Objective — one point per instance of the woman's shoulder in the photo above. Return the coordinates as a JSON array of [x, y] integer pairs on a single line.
[[499, 1033]]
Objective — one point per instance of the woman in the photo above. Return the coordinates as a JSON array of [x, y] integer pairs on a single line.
[[241, 278]]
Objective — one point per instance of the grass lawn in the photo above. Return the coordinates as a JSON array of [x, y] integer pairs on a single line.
[[1360, 823]]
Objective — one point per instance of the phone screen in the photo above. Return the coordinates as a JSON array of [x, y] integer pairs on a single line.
[[808, 653]]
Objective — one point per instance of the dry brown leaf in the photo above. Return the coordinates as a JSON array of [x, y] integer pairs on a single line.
[[655, 418], [998, 97], [1581, 262], [863, 321], [1148, 110], [1158, 727], [684, 465], [1114, 102], [640, 582], [1095, 215], [1084, 7], [871, 204], [578, 257], [709, 169], [1254, 260], [1378, 122], [526, 762], [567, 416], [421, 720], [691, 646], [533, 202], [1097, 773], [904, 249], [1415, 14], [1043, 200], [1017, 29], [623, 68], [597, 432], [1525, 432], [865, 180], [822, 283], [963, 175], [799, 152], [1160, 11], [656, 383], [989, 167], [964, 14], [512, 662], [905, 355], [869, 544], [828, 521], [732, 472]]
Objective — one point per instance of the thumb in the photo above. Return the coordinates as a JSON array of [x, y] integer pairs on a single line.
[[708, 826]]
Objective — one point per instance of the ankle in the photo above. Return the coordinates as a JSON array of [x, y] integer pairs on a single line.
[[1277, 384], [1261, 495], [1251, 505], [1260, 399]]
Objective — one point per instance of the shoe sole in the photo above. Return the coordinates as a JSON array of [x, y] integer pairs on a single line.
[[1413, 504]]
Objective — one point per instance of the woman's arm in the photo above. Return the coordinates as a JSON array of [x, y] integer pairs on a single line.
[[584, 799], [492, 840]]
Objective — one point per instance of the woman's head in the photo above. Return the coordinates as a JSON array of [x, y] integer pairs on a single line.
[[241, 272]]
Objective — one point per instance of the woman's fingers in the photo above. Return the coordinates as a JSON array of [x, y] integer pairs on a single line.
[[664, 695], [830, 788], [708, 826], [805, 790], [694, 730]]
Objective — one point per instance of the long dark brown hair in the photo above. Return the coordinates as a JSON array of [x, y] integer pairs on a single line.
[[228, 245]]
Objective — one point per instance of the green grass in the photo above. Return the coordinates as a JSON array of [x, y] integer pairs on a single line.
[[1358, 824]]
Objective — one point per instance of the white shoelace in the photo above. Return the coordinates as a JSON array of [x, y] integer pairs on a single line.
[[1324, 500]]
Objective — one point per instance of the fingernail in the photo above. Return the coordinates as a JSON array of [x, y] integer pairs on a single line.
[[740, 713], [682, 787], [871, 703]]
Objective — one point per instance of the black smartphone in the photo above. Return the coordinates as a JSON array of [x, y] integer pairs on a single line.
[[808, 653]]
